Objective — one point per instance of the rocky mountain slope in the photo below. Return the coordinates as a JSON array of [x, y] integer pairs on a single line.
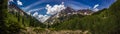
[[106, 21], [13, 19], [66, 13]]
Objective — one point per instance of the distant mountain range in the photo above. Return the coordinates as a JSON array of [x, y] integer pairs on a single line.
[[67, 12]]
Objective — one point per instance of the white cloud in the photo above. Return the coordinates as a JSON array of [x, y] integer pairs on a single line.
[[95, 7], [55, 9], [19, 2], [34, 10], [33, 4], [50, 10], [40, 17], [35, 14], [28, 13]]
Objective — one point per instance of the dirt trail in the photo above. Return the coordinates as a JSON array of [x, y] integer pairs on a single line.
[[47, 31]]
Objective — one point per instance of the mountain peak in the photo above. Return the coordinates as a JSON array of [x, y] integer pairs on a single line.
[[67, 12]]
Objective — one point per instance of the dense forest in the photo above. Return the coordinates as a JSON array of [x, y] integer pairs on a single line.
[[106, 21], [11, 22]]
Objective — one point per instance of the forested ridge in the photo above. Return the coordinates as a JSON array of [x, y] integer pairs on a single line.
[[12, 22], [106, 21]]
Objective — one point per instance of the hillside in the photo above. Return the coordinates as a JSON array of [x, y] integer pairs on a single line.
[[23, 17], [102, 22], [15, 20], [68, 14]]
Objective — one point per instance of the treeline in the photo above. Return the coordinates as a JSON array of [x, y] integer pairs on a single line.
[[13, 23], [106, 21]]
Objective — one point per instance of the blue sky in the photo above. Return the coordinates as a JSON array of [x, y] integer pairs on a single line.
[[38, 6], [75, 4]]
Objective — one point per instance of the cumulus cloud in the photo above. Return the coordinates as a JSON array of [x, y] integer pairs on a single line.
[[95, 7], [35, 14], [34, 10], [55, 9], [40, 17], [19, 2]]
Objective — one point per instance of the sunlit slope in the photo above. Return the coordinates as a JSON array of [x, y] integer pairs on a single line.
[[101, 22]]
